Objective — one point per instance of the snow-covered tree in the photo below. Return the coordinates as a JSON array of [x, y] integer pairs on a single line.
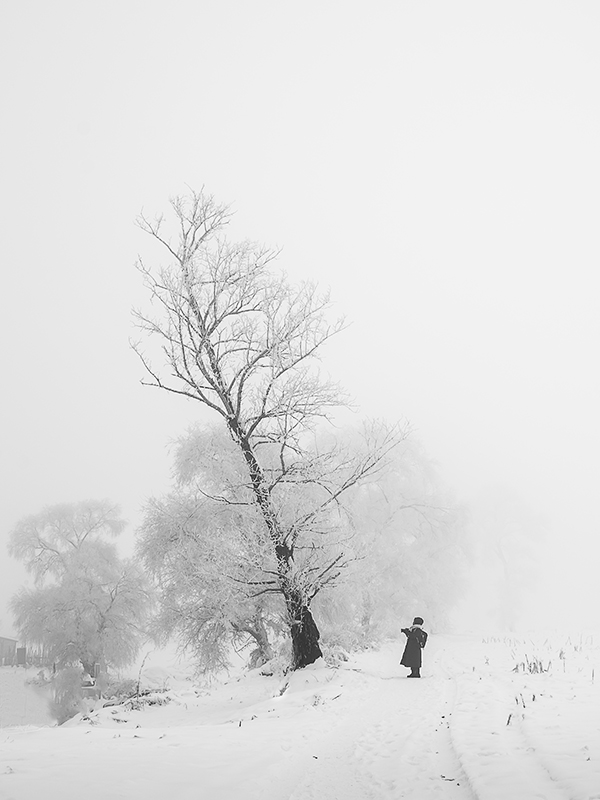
[[45, 542], [207, 547], [411, 552], [87, 605], [204, 556], [507, 538], [241, 340]]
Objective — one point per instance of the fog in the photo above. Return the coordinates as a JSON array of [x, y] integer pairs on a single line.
[[435, 164]]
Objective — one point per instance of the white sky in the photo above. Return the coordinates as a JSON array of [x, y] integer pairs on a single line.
[[437, 164]]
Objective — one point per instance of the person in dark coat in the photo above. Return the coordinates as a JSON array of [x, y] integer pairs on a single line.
[[416, 641]]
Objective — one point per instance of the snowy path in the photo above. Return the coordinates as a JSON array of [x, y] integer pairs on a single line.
[[394, 743], [454, 734], [498, 758], [398, 749], [525, 736]]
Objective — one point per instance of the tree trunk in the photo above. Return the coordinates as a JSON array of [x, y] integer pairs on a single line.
[[264, 652], [261, 654], [305, 634], [303, 629], [257, 630], [88, 666]]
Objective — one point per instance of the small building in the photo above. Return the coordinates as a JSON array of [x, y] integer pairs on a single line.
[[8, 651]]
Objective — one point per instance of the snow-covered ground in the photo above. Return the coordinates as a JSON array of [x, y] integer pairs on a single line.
[[470, 728]]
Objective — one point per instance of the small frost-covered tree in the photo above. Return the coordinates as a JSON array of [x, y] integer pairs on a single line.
[[88, 606], [410, 551], [206, 553], [241, 340]]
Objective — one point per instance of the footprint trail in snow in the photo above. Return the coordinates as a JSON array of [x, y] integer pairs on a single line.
[[397, 746]]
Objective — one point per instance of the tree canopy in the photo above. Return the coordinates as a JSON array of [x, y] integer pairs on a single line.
[[88, 605]]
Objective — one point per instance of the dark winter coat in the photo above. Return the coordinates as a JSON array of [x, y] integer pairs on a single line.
[[416, 641]]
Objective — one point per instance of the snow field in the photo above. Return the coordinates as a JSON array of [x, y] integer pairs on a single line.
[[361, 731], [562, 723], [527, 735], [496, 756], [358, 732]]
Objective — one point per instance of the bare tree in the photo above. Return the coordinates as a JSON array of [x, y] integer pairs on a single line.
[[240, 339]]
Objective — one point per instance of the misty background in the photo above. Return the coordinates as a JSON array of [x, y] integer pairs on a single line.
[[435, 164]]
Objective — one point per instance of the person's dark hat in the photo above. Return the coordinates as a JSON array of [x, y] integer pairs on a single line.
[[418, 621]]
